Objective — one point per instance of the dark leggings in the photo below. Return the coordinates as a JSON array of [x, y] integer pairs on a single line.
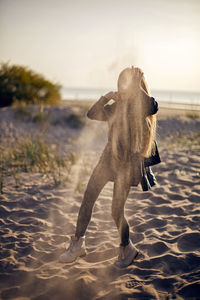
[[98, 179]]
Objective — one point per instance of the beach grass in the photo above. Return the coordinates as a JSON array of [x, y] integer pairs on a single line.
[[40, 115], [192, 115], [75, 120], [33, 154]]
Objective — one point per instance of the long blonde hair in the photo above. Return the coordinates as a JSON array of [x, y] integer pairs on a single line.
[[131, 132]]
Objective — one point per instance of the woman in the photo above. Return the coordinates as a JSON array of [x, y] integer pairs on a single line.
[[125, 160]]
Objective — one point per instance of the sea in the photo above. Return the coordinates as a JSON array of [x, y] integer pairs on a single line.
[[168, 99]]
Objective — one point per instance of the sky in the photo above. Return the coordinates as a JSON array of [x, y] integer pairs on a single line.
[[86, 43]]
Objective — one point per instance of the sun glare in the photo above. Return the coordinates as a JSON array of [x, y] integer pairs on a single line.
[[179, 54]]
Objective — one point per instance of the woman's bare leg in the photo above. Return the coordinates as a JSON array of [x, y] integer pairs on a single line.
[[120, 193], [98, 179], [127, 251]]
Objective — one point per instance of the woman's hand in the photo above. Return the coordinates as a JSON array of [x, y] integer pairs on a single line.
[[137, 77], [112, 95]]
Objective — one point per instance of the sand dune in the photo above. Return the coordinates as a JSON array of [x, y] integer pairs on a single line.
[[37, 220]]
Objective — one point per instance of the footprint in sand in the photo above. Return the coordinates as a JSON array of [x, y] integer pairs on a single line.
[[189, 242], [134, 283]]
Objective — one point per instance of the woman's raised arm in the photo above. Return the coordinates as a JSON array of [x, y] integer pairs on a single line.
[[99, 111]]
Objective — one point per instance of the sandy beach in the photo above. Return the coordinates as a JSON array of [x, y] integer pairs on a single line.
[[38, 217]]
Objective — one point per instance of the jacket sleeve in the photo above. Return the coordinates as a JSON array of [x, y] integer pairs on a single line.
[[151, 107], [100, 111]]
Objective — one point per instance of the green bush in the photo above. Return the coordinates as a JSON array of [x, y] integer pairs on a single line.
[[18, 83]]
